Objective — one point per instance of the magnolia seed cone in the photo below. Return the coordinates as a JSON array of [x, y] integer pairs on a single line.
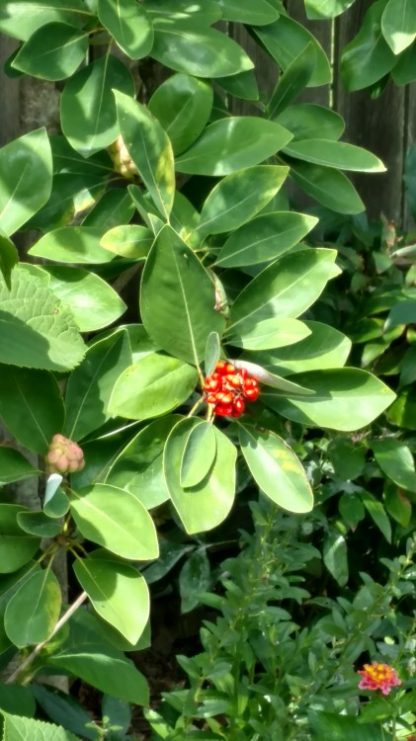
[[64, 456]]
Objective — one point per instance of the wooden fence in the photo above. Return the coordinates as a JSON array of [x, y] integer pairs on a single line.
[[386, 126]]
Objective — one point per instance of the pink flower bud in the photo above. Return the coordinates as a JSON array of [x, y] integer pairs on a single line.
[[64, 456]]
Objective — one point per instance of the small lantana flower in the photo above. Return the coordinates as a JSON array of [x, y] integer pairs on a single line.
[[377, 676]]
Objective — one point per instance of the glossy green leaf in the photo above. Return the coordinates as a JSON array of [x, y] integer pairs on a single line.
[[232, 143], [89, 387], [58, 506], [404, 70], [182, 104], [265, 238], [30, 406], [398, 24], [40, 597], [128, 24], [285, 39], [268, 334], [317, 10], [329, 187], [112, 209], [343, 728], [25, 179], [9, 256], [194, 578], [403, 312], [150, 149], [118, 593], [130, 240], [331, 153], [377, 513], [346, 399], [177, 299], [284, 289], [17, 700], [13, 466], [239, 197], [398, 505], [204, 13], [294, 79], [260, 13], [396, 461], [243, 85], [199, 455], [275, 468], [71, 195], [21, 19], [212, 352], [16, 546], [88, 110], [304, 119], [53, 52], [207, 504], [154, 385], [139, 466], [351, 510], [202, 52], [116, 520], [16, 728], [335, 556], [368, 57], [73, 244], [347, 457], [38, 524]]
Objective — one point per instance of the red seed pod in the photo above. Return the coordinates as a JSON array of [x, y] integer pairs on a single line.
[[212, 383], [223, 410], [239, 407], [221, 367], [252, 393]]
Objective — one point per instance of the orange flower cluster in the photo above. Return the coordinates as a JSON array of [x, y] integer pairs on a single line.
[[228, 389], [377, 676]]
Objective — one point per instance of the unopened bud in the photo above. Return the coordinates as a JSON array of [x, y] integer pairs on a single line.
[[64, 456]]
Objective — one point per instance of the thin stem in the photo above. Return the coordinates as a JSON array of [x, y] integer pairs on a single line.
[[38, 648], [195, 407]]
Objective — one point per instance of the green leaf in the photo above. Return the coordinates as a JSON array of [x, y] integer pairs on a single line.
[[150, 149], [199, 455], [243, 86], [164, 11], [16, 546], [367, 58], [207, 504], [286, 288], [351, 510], [202, 52], [21, 19], [265, 238], [346, 399], [73, 244], [9, 256], [398, 24], [115, 207], [88, 110], [177, 299], [243, 11], [58, 506], [317, 10], [104, 514], [285, 39], [182, 104], [128, 24], [331, 153], [212, 352], [396, 461], [343, 728], [89, 387], [276, 469], [305, 119], [232, 143], [377, 513], [128, 240], [16, 728], [25, 179], [13, 466], [324, 347], [17, 700], [239, 197], [64, 709], [118, 593], [31, 406], [154, 385], [53, 52], [335, 556], [329, 187], [269, 334], [139, 466], [403, 312], [398, 505], [292, 82], [347, 457], [38, 524], [194, 578], [40, 597]]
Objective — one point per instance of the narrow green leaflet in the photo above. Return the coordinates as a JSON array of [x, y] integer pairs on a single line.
[[21, 18], [130, 240], [54, 52], [268, 334], [31, 406], [139, 466], [116, 520], [335, 154], [335, 556], [329, 187], [118, 593], [276, 469], [368, 57], [305, 119], [9, 256], [398, 24], [182, 104], [14, 467], [89, 387], [240, 196], [25, 179], [16, 546], [265, 238], [286, 288], [378, 514], [232, 143], [199, 454], [177, 299], [40, 597], [294, 79], [202, 52], [129, 25], [207, 504], [396, 461], [17, 728], [72, 244], [346, 399], [212, 352], [152, 386], [317, 10], [260, 13], [88, 110]]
